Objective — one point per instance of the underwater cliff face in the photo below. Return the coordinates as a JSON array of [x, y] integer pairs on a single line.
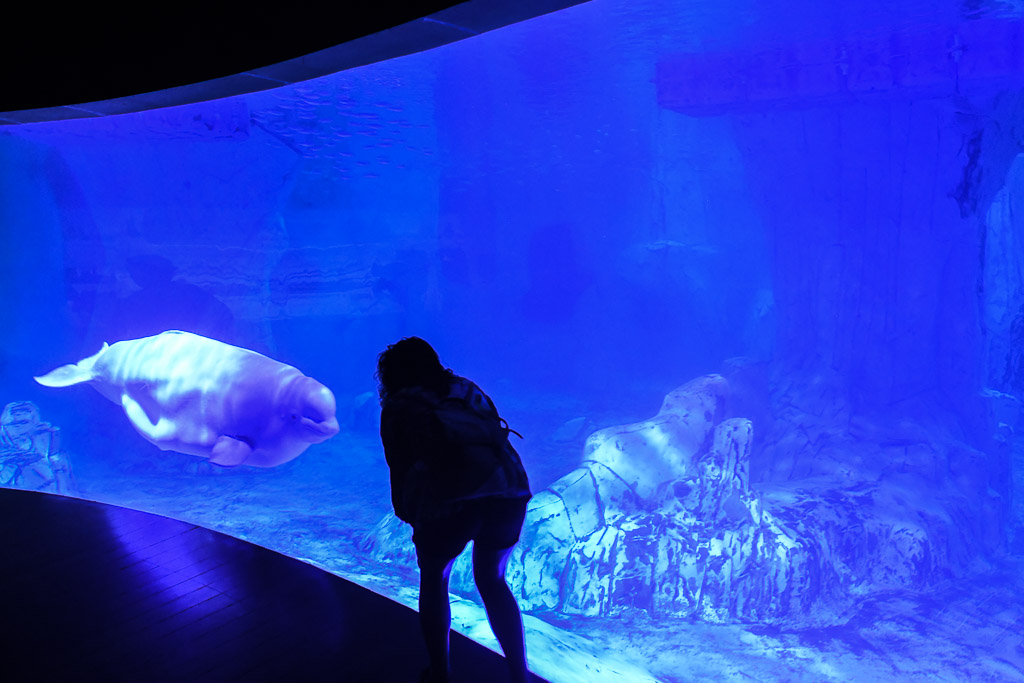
[[583, 213]]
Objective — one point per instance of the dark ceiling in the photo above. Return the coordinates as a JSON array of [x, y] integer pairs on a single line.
[[91, 52], [86, 52]]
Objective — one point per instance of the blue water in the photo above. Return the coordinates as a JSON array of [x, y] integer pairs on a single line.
[[586, 213]]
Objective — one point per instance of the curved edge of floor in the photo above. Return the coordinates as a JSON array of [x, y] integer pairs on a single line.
[[101, 592]]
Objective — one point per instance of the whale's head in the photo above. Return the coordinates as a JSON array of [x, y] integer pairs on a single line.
[[310, 411], [303, 414]]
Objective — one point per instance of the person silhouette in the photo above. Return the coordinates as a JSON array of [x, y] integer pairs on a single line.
[[454, 478]]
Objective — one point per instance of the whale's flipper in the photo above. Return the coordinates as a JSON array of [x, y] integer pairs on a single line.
[[230, 452], [140, 419], [75, 373]]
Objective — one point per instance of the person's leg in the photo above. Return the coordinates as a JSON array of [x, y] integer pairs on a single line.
[[502, 610], [436, 613]]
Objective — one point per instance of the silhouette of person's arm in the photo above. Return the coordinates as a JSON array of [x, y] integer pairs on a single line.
[[410, 435]]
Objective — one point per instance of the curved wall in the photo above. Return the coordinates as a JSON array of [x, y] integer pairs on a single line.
[[583, 213]]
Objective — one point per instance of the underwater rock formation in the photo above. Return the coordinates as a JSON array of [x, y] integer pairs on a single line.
[[660, 516], [31, 457]]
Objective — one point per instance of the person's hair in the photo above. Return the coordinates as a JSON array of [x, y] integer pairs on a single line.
[[411, 362]]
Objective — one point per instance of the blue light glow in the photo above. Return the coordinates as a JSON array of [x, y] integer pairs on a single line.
[[748, 279]]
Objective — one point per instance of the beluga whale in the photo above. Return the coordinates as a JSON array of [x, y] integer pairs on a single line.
[[190, 394]]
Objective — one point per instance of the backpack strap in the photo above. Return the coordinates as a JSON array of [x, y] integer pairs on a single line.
[[464, 390], [504, 425]]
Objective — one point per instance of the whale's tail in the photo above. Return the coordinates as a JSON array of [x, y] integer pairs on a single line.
[[75, 373]]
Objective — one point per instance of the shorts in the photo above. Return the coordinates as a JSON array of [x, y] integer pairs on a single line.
[[491, 523]]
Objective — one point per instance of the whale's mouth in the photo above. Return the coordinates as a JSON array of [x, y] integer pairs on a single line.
[[320, 430], [314, 410]]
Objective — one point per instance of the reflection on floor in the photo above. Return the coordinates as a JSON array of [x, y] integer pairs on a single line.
[[98, 592]]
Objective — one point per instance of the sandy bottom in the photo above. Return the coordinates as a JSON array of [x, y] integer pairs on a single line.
[[318, 507]]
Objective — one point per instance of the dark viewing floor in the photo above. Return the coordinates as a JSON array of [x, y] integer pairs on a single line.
[[94, 592]]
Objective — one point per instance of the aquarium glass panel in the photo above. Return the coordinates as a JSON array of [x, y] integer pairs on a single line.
[[745, 277]]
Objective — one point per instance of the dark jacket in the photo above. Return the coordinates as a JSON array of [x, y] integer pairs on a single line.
[[411, 435], [427, 475]]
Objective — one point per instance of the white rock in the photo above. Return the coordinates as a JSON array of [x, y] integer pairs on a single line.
[[578, 492]]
